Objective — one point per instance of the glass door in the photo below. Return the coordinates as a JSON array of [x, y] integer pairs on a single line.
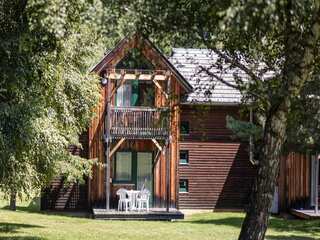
[[144, 172]]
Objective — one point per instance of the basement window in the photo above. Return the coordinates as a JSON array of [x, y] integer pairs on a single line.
[[184, 157], [183, 186]]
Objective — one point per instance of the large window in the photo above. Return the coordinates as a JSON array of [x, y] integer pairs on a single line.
[[134, 168], [123, 96], [123, 167], [135, 93]]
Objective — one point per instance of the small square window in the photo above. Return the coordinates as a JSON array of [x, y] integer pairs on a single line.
[[183, 186], [184, 127], [184, 157]]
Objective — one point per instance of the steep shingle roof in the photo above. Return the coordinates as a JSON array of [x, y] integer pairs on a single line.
[[205, 90]]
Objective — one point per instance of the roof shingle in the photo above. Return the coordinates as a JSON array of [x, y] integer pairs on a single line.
[[189, 61]]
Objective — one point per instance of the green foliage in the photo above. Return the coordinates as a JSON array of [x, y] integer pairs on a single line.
[[304, 118], [270, 35], [48, 95], [243, 129]]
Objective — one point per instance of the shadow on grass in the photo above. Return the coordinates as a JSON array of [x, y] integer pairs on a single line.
[[14, 227], [277, 224], [292, 237], [21, 238], [34, 207], [229, 221]]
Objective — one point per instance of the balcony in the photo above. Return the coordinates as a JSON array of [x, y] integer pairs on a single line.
[[139, 122]]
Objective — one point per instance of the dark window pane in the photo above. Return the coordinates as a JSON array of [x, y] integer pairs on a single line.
[[184, 157], [183, 185], [135, 60], [184, 128], [123, 168]]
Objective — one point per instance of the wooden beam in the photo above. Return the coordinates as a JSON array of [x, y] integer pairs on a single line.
[[117, 146], [145, 77], [122, 81], [157, 144], [138, 76], [160, 77], [156, 159], [161, 89], [114, 76]]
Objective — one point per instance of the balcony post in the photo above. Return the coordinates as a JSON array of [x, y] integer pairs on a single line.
[[107, 139], [168, 152]]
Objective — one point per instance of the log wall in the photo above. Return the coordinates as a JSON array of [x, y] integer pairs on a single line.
[[96, 130], [294, 181], [219, 172], [72, 196]]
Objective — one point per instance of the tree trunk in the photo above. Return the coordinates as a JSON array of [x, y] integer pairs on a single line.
[[255, 223], [13, 200]]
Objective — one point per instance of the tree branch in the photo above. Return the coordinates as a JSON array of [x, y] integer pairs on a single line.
[[233, 61], [220, 79]]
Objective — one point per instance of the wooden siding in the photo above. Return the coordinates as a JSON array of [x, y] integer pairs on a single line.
[[294, 181], [61, 196], [219, 172], [96, 149], [96, 187]]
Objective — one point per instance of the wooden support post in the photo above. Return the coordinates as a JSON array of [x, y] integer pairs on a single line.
[[167, 176], [168, 143], [122, 81], [107, 146]]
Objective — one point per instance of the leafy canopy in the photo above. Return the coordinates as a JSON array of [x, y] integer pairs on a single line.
[[47, 94]]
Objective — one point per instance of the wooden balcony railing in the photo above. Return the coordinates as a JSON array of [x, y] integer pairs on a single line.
[[139, 122]]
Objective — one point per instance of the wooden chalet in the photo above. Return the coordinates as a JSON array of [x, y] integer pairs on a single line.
[[161, 123]]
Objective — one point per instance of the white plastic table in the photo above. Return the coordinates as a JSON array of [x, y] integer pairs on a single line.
[[133, 194]]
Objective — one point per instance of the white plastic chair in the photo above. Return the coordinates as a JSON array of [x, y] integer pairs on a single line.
[[124, 201], [143, 200]]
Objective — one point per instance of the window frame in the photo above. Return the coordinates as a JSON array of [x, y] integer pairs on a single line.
[[188, 127], [134, 165], [187, 185], [132, 177], [187, 157]]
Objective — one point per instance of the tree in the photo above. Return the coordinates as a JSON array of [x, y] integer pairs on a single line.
[[47, 94], [273, 43]]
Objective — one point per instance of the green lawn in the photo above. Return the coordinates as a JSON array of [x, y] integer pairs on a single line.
[[27, 223]]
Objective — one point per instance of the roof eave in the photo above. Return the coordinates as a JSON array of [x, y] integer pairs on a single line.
[[100, 65]]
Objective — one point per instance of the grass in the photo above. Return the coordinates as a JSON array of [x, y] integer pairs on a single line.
[[28, 223]]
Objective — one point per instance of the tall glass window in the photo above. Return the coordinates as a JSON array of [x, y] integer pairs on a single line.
[[123, 166]]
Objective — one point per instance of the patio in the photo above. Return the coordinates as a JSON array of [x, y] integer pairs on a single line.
[[153, 214], [305, 213]]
